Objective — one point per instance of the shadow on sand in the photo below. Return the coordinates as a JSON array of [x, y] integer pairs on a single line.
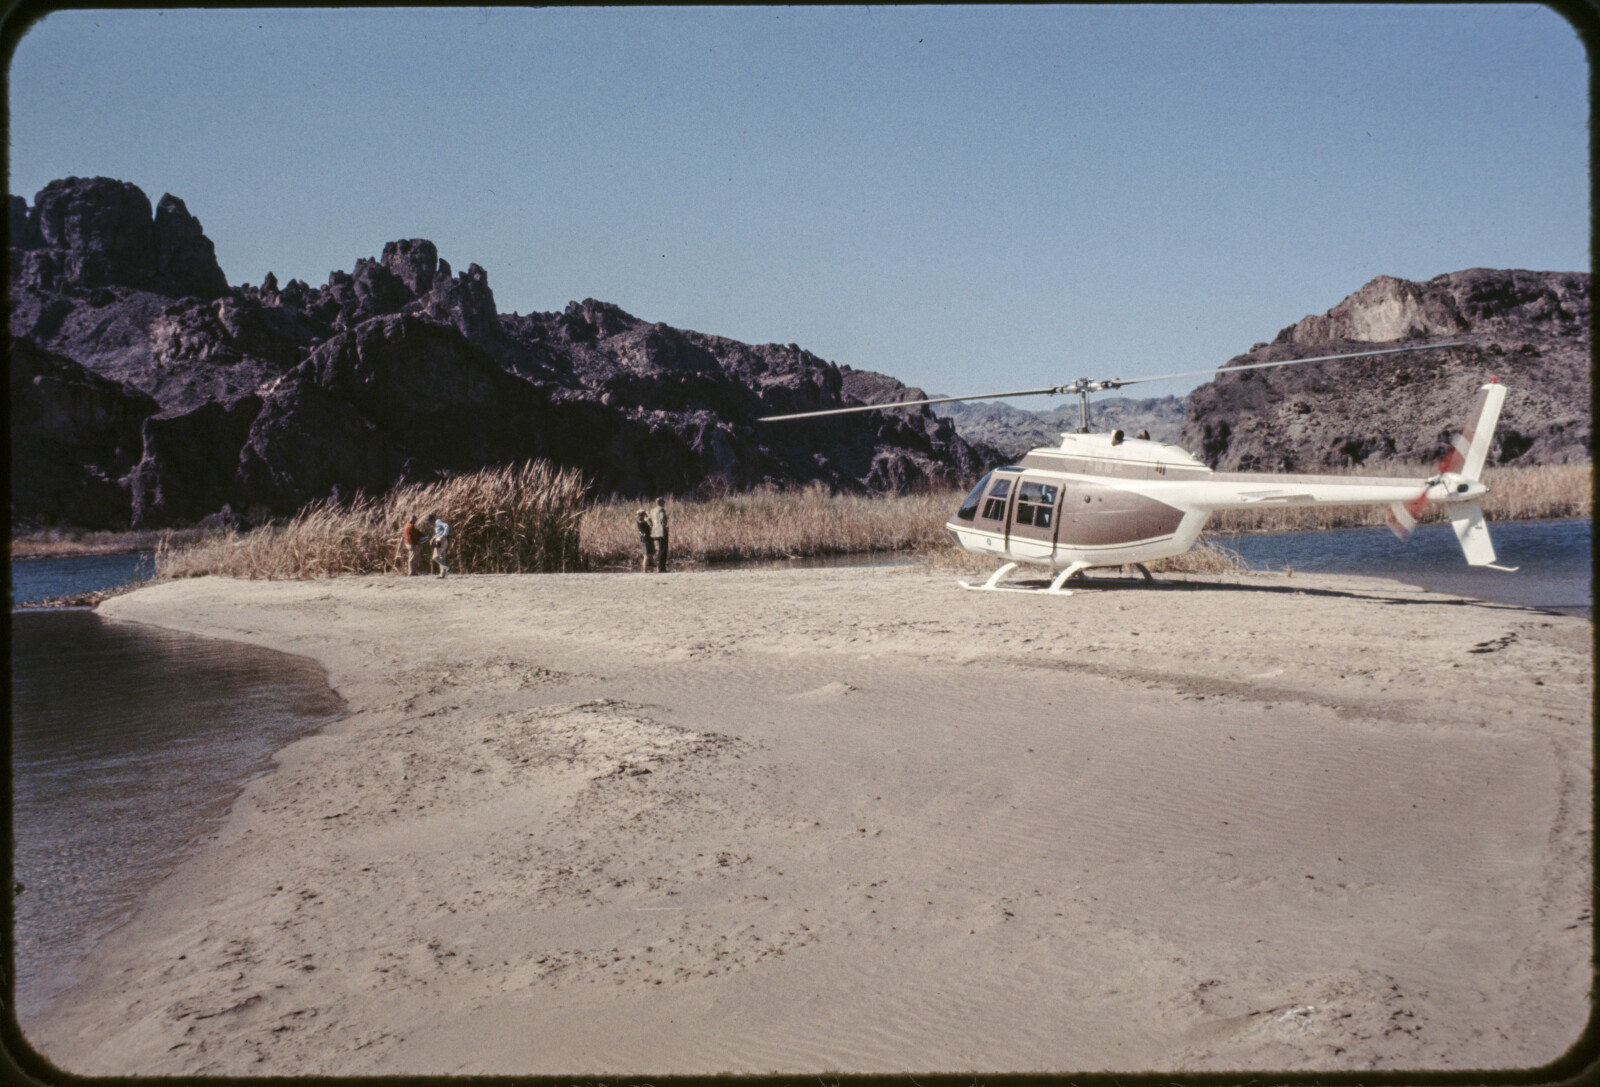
[[1411, 596]]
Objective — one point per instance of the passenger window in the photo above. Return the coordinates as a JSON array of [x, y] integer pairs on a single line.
[[1036, 504]]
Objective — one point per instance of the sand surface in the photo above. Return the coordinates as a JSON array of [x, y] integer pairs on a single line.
[[861, 820]]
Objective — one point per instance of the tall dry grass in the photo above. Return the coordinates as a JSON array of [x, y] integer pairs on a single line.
[[502, 520], [768, 523]]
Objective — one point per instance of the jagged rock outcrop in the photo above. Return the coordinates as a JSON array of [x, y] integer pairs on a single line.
[[1513, 304], [74, 438], [86, 233], [1528, 329], [271, 396], [708, 391], [170, 395], [190, 463]]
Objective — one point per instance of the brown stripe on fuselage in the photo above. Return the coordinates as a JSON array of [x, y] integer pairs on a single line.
[[1093, 514]]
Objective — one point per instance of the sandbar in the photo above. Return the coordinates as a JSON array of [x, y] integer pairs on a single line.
[[861, 820]]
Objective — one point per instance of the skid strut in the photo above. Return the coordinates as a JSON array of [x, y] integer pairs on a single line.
[[1057, 584], [993, 584]]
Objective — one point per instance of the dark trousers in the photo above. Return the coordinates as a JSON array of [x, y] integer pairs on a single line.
[[661, 554], [649, 550]]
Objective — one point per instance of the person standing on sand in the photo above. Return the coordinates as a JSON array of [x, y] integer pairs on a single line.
[[646, 541], [658, 533], [440, 539], [411, 536]]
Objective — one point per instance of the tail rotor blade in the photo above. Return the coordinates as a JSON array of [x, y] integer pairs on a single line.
[[1456, 456], [1399, 520]]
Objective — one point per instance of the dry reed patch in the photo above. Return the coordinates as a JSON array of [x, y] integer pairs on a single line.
[[767, 523], [502, 520], [1204, 557], [1539, 491]]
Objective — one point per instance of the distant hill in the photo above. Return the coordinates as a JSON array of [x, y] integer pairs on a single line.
[[1528, 329], [147, 391], [153, 393], [1013, 430]]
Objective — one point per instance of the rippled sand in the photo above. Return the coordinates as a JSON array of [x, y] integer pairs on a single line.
[[861, 820]]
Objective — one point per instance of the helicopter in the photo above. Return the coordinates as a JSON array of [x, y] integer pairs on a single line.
[[1101, 500]]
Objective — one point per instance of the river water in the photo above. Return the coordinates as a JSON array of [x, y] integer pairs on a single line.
[[43, 579], [1553, 560], [129, 742]]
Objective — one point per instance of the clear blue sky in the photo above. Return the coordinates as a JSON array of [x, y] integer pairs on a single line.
[[965, 198]]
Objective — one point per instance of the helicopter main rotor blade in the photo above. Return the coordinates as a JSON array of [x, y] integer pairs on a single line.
[[1118, 383], [908, 404], [1084, 385]]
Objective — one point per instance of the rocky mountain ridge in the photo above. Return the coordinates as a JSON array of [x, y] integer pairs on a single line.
[[145, 390], [1528, 330], [158, 395], [1531, 330]]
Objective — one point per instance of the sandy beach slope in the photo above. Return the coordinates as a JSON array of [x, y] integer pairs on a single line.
[[861, 820]]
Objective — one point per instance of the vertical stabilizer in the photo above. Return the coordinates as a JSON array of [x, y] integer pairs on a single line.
[[1467, 519], [1470, 448]]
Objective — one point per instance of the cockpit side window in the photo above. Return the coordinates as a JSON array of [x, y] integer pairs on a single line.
[[969, 504], [995, 508]]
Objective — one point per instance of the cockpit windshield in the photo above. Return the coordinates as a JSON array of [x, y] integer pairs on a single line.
[[969, 504]]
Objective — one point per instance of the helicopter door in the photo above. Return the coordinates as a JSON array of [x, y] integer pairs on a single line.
[[995, 506], [1033, 522]]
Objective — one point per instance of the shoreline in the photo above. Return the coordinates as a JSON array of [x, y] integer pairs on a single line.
[[855, 819], [159, 731]]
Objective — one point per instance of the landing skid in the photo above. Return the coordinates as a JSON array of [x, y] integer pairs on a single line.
[[1057, 584], [993, 584]]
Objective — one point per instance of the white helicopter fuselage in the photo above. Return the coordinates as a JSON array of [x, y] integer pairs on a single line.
[[1105, 500]]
